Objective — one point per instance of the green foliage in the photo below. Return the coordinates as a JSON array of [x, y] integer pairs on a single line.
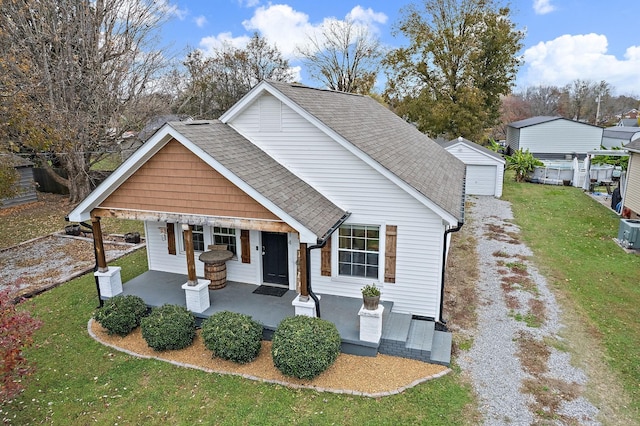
[[622, 161], [121, 314], [232, 336], [304, 347], [522, 162], [370, 290], [461, 57], [16, 334], [9, 177], [169, 327]]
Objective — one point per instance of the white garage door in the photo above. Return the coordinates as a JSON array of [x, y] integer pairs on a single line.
[[481, 180]]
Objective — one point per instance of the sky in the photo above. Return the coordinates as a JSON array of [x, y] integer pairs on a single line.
[[564, 40]]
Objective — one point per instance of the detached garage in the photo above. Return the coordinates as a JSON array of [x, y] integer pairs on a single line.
[[485, 168]]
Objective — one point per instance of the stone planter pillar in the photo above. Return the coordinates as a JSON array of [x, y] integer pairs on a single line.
[[197, 296], [109, 282], [371, 324]]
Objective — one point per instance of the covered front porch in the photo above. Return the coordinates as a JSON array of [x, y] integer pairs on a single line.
[[402, 335]]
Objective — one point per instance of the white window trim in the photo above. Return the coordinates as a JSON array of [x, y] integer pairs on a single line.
[[235, 235], [204, 237], [335, 242]]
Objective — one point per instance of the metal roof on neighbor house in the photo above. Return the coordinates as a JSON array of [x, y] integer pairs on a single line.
[[387, 139], [532, 121], [265, 175]]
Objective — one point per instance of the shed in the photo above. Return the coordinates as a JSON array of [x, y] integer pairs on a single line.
[[631, 189], [485, 168], [553, 138], [26, 182]]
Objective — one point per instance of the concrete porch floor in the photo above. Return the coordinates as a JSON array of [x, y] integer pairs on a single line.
[[158, 288]]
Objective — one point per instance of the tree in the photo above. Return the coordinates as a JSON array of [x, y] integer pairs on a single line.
[[82, 65], [216, 83], [345, 56], [16, 330], [543, 100], [462, 56]]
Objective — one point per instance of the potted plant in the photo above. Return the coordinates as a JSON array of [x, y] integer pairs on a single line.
[[371, 297]]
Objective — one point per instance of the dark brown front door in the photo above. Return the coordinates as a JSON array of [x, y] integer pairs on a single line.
[[274, 258]]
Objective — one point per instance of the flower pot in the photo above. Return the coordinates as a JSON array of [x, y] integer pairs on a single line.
[[132, 237], [72, 230], [371, 302]]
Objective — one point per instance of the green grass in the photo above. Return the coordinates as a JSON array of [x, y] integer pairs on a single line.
[[79, 381], [571, 238]]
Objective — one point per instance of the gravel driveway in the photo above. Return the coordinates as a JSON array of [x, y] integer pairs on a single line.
[[518, 377]]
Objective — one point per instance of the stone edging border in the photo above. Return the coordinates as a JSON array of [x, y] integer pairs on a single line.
[[277, 382]]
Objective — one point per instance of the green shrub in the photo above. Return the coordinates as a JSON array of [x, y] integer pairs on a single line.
[[121, 314], [169, 327], [232, 336], [304, 347]]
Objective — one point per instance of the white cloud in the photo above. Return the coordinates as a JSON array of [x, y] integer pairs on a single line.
[[249, 3], [366, 16], [208, 44], [560, 61], [200, 21], [542, 7]]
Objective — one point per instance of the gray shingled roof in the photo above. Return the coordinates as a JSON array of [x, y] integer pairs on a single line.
[[474, 145], [532, 121], [633, 146], [262, 173], [389, 140]]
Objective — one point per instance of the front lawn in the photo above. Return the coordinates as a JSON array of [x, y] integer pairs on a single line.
[[571, 238], [80, 381]]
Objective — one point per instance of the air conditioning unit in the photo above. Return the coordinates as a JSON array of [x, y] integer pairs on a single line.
[[629, 233]]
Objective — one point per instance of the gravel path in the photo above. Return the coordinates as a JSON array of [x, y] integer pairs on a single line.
[[518, 377]]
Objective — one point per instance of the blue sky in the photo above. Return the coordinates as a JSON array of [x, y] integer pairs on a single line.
[[565, 40]]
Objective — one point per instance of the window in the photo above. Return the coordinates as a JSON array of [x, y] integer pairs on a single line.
[[225, 236], [197, 233], [358, 250]]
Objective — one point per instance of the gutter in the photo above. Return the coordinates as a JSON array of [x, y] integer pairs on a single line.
[[441, 322], [321, 243], [95, 267]]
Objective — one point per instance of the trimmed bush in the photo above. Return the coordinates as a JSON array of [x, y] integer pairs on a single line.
[[121, 314], [169, 327], [232, 336], [304, 347]]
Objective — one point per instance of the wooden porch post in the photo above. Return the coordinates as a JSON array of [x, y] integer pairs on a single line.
[[191, 261], [99, 245], [304, 288]]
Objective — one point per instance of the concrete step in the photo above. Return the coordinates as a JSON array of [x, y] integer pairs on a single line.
[[441, 352]]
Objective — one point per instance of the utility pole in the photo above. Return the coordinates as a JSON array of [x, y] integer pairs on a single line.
[[597, 109]]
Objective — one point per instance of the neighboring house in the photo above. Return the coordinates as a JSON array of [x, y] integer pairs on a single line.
[[553, 138], [631, 192], [628, 122], [485, 168], [618, 136], [25, 182], [292, 173]]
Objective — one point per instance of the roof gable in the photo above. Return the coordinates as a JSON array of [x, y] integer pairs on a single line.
[[379, 137], [532, 121], [474, 146]]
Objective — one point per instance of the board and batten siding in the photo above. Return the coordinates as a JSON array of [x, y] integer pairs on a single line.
[[632, 192], [560, 137], [371, 198]]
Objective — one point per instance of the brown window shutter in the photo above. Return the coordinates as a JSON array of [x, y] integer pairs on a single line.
[[171, 238], [325, 259], [390, 254], [245, 246]]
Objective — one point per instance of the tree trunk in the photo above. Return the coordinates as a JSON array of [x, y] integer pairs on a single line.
[[79, 183]]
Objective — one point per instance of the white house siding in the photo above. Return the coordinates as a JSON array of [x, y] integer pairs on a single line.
[[560, 137], [513, 138], [632, 191], [160, 260], [484, 172], [371, 198]]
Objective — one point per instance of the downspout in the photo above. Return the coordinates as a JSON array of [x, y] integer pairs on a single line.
[[441, 322], [320, 243], [95, 267]]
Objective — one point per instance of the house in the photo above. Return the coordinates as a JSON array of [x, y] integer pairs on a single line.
[[314, 191], [628, 122], [485, 168], [553, 138], [631, 190], [619, 136], [25, 182]]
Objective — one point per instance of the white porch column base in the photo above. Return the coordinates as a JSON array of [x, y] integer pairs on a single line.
[[197, 296], [110, 282], [305, 307], [371, 324]]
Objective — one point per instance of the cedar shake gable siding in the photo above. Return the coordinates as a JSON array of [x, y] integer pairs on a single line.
[[175, 180], [389, 140], [261, 172]]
